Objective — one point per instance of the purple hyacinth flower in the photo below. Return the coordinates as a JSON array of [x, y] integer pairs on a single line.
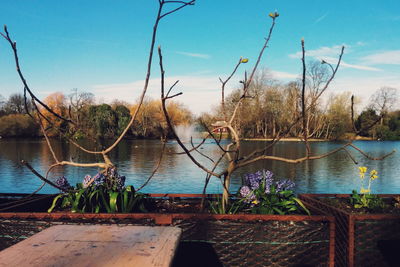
[[268, 180], [86, 180], [99, 179], [63, 183], [247, 194], [253, 180], [283, 185], [120, 182]]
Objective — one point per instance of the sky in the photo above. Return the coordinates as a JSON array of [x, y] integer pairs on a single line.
[[101, 46]]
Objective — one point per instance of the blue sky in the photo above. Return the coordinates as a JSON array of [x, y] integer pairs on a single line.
[[101, 46]]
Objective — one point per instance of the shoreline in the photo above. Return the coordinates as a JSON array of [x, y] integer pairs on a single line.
[[295, 139]]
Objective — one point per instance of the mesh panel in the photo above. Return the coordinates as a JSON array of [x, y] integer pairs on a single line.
[[262, 243], [372, 244], [376, 237]]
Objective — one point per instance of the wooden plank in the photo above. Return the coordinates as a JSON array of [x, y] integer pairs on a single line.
[[95, 245]]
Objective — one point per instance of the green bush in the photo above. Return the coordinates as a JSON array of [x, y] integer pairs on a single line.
[[18, 125]]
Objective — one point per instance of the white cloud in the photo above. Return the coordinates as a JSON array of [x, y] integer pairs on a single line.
[[204, 56], [330, 55], [343, 64], [386, 57], [363, 87], [324, 51], [283, 75], [321, 18]]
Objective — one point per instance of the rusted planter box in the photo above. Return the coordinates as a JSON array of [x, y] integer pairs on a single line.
[[208, 239], [361, 239]]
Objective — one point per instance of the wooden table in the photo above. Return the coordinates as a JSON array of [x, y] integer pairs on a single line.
[[95, 245]]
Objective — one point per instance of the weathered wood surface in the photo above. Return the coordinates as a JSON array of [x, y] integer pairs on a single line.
[[95, 245]]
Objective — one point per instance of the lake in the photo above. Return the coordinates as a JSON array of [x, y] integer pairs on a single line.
[[136, 160]]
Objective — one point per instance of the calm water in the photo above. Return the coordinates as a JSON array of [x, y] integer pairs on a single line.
[[137, 158]]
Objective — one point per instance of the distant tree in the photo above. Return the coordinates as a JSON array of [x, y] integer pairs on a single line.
[[57, 102], [2, 106], [151, 121], [79, 103], [123, 117], [394, 121], [103, 121], [15, 104], [18, 125], [338, 115], [384, 100], [364, 122]]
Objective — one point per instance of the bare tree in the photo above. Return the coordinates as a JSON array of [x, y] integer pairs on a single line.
[[77, 103], [165, 9], [233, 152], [384, 100]]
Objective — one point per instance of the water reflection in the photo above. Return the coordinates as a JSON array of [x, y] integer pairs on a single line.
[[177, 174]]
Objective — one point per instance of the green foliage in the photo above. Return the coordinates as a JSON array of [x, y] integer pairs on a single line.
[[233, 207], [18, 125], [365, 120], [123, 117], [367, 201], [103, 121], [260, 194], [276, 202], [97, 199]]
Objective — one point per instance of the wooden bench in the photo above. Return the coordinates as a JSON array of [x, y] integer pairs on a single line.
[[95, 245]]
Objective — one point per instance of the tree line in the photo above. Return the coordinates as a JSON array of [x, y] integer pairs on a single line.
[[99, 121], [271, 106]]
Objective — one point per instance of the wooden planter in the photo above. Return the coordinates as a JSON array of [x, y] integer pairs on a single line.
[[208, 239], [361, 239]]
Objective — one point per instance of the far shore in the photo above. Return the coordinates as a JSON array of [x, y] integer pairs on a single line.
[[294, 139]]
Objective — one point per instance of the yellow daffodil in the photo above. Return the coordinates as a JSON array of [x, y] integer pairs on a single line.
[[364, 191], [244, 60]]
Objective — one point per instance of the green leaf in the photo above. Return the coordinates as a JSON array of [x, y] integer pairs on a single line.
[[280, 212], [301, 205], [105, 203], [53, 205], [124, 200], [75, 204], [113, 201]]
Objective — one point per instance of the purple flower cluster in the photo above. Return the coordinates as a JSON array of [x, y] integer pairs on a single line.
[[117, 181], [283, 185], [262, 180], [247, 193], [268, 180], [63, 183], [253, 180], [87, 180], [99, 179]]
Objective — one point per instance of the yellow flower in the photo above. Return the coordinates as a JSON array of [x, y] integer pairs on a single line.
[[364, 191], [362, 170], [244, 60], [255, 202]]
